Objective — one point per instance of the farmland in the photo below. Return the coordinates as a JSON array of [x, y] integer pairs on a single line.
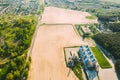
[[48, 56], [34, 33], [52, 36], [55, 33], [66, 16]]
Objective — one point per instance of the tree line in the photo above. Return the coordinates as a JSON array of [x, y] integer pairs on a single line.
[[115, 27]]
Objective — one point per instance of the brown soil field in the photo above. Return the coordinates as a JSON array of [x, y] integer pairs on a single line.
[[48, 61], [54, 15]]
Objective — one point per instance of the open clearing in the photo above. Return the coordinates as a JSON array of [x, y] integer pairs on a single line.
[[54, 15]]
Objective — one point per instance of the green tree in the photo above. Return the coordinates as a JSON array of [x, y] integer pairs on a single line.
[[13, 65], [26, 73], [10, 76], [17, 74], [117, 65]]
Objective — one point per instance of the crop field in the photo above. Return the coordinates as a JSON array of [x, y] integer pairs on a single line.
[[57, 24], [53, 35], [65, 16], [48, 61]]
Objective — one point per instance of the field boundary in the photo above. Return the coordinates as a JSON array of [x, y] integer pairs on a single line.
[[56, 24]]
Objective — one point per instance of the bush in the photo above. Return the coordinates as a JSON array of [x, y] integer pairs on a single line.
[[17, 75], [10, 76]]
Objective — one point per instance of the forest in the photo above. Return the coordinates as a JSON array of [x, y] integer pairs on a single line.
[[110, 42], [18, 22], [115, 27], [16, 33]]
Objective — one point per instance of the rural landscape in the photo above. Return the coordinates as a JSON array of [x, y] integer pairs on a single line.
[[59, 40]]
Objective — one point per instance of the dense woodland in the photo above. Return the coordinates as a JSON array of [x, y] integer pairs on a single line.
[[17, 26], [15, 38], [111, 42], [115, 27]]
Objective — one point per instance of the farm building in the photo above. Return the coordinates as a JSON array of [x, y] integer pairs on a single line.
[[89, 62], [86, 29]]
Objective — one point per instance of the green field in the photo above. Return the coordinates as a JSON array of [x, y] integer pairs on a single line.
[[100, 58]]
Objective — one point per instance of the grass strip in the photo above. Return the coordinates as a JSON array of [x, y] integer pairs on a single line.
[[101, 58]]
